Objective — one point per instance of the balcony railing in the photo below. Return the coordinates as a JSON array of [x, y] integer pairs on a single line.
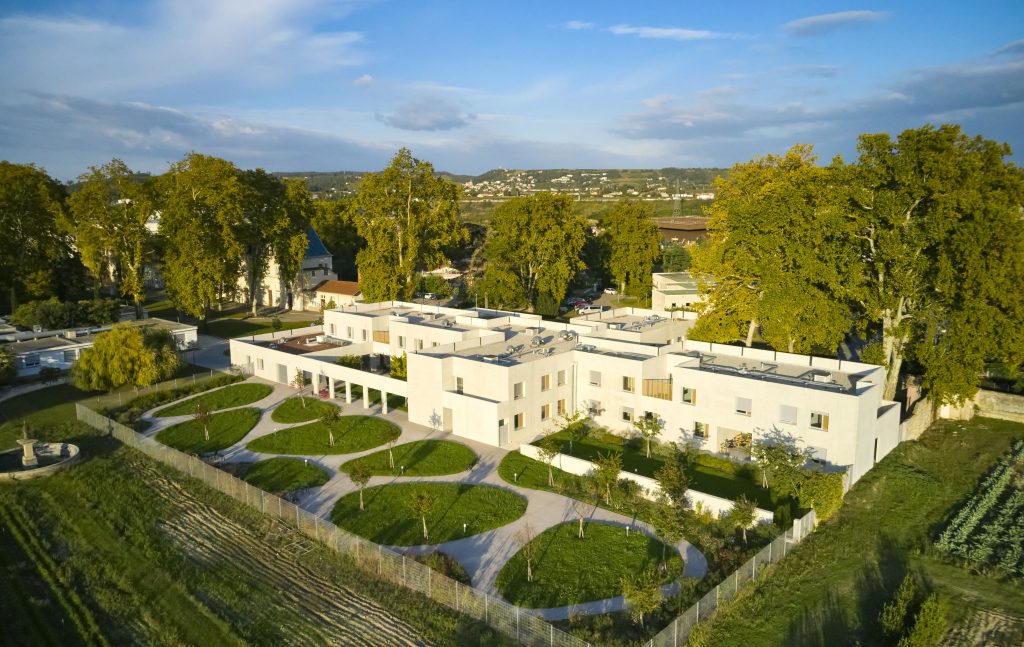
[[660, 388]]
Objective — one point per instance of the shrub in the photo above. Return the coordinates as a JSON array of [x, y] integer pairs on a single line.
[[446, 565], [822, 491], [351, 361], [53, 314], [930, 624], [894, 613], [399, 366], [129, 413]]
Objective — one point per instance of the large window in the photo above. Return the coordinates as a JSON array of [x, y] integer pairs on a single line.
[[545, 382], [787, 414], [517, 421], [627, 414], [545, 412], [700, 430], [561, 378], [628, 384], [744, 406], [819, 420], [689, 395], [518, 390], [595, 378], [560, 407]]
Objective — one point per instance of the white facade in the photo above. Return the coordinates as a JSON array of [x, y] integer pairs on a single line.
[[294, 293], [505, 378], [670, 290]]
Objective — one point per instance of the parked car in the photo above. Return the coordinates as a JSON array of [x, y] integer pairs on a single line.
[[591, 310], [610, 291], [430, 296]]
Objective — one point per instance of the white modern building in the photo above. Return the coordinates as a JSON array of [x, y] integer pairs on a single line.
[[505, 378], [671, 290]]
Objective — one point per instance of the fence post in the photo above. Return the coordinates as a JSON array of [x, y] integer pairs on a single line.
[[457, 596], [517, 624], [403, 571], [487, 614]]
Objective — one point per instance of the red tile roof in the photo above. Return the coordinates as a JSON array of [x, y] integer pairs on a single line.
[[348, 288]]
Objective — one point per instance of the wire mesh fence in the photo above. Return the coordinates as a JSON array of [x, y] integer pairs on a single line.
[[123, 395], [526, 628], [678, 631]]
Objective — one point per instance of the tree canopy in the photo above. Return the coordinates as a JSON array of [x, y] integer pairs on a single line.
[[407, 216], [126, 356], [634, 244]]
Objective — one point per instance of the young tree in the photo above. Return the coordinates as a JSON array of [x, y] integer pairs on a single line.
[[533, 249], [649, 428], [668, 522], [202, 200], [642, 594], [780, 463], [108, 215], [391, 452], [580, 510], [360, 474], [124, 356], [577, 426], [300, 382], [31, 241], [937, 216], [634, 242], [741, 515], [421, 503], [528, 549], [674, 483], [606, 471], [547, 449], [408, 216], [329, 419], [202, 417]]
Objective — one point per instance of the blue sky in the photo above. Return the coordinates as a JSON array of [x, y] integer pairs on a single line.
[[329, 85]]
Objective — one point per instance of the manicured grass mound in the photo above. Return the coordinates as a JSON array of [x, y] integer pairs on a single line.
[[226, 429], [283, 475], [420, 458], [229, 327], [568, 570], [292, 409], [388, 519], [351, 434], [230, 396]]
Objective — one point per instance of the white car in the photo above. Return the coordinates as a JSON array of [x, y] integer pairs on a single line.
[[592, 310], [610, 291]]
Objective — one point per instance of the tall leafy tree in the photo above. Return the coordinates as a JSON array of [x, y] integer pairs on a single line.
[[125, 355], [635, 246], [778, 255], [202, 209], [533, 249], [407, 216], [31, 236], [335, 222], [938, 219], [108, 216]]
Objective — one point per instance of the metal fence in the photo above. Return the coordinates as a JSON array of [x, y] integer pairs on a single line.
[[526, 628], [676, 633], [127, 394]]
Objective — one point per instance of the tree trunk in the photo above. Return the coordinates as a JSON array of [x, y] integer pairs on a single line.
[[14, 299], [892, 377], [551, 477], [360, 499], [664, 564], [425, 537], [744, 535], [206, 432], [330, 435], [648, 448], [750, 332], [792, 342], [529, 570], [581, 527], [391, 458]]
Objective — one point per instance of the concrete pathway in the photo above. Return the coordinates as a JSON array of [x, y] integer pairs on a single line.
[[210, 353], [15, 391], [483, 554]]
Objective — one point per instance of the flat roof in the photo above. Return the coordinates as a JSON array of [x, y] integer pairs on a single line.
[[770, 371], [522, 344]]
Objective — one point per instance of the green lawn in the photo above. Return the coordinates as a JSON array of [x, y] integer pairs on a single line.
[[296, 410], [351, 434], [419, 458], [47, 412], [229, 328], [835, 583], [394, 401], [235, 395], [283, 475], [568, 570], [388, 520], [703, 478], [226, 428]]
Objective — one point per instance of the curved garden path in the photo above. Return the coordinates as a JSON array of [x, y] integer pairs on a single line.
[[482, 555]]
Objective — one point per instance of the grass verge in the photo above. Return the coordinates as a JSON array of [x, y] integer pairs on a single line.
[[418, 458], [389, 520], [304, 410], [230, 328], [351, 434], [569, 570], [284, 475], [226, 428], [835, 583], [235, 395]]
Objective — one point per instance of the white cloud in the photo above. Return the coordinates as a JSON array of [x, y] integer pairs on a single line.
[[1016, 48], [364, 81], [428, 114], [828, 22], [577, 25], [666, 33]]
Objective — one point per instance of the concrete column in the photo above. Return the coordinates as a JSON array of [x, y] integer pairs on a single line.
[[330, 387], [348, 392], [366, 397], [383, 402]]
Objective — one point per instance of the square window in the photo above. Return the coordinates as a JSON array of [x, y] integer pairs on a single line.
[[700, 430], [518, 391], [561, 378], [743, 406], [518, 421], [545, 412], [560, 407], [627, 414], [545, 382], [594, 408], [628, 384], [689, 395], [595, 378], [787, 415], [819, 420]]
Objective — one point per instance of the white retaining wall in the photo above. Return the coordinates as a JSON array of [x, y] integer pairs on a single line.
[[718, 506]]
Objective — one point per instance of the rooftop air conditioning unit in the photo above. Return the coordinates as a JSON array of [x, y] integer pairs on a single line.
[[490, 358], [825, 377], [537, 341], [615, 325], [447, 324]]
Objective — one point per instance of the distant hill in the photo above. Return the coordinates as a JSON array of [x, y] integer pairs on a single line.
[[659, 184]]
